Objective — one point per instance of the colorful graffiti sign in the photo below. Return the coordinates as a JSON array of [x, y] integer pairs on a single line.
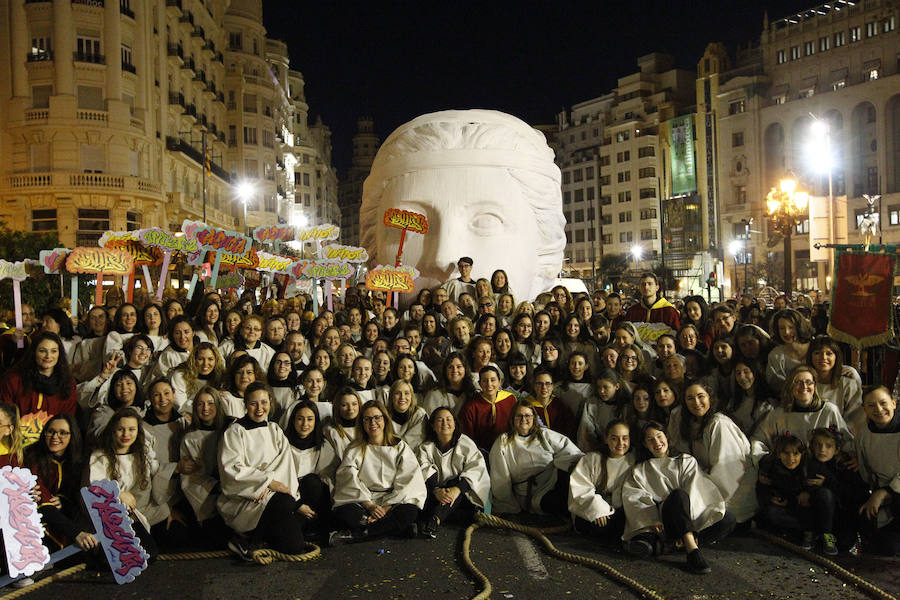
[[166, 241], [13, 270], [274, 233], [115, 530], [130, 242], [226, 280], [319, 233], [274, 263], [327, 270], [21, 523], [405, 219], [352, 254], [53, 260], [247, 260], [392, 279], [99, 260], [214, 238]]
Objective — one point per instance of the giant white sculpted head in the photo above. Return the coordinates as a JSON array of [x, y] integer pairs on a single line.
[[490, 189]]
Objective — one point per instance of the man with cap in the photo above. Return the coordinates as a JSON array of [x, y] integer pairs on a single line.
[[462, 284]]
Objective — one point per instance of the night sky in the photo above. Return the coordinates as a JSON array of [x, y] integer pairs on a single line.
[[396, 60]]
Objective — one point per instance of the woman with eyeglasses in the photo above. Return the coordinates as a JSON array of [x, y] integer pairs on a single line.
[[552, 411], [801, 411], [284, 383], [379, 489], [699, 428], [530, 466], [248, 338], [56, 461]]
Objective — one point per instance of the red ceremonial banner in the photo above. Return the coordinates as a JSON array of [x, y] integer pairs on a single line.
[[861, 307]]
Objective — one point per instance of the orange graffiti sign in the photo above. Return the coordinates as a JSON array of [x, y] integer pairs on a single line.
[[391, 279], [99, 260], [405, 219]]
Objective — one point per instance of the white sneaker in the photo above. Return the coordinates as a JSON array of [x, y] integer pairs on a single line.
[[24, 582]]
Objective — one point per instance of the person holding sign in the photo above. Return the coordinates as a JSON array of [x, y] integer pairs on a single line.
[[40, 385], [10, 352], [56, 461], [653, 307]]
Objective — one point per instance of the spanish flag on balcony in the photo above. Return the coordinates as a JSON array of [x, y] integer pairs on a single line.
[[861, 304]]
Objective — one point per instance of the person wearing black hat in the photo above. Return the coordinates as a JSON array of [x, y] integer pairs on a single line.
[[462, 284]]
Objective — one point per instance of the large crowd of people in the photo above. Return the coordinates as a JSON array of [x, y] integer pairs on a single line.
[[247, 422]]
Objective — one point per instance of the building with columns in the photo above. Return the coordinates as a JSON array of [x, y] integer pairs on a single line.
[[108, 109], [838, 63]]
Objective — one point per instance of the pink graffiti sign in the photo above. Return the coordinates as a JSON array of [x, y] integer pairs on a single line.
[[123, 550], [21, 523], [213, 238]]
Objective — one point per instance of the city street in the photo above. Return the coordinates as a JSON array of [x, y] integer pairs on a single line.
[[743, 567]]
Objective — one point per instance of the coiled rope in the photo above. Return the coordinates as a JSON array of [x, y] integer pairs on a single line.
[[541, 536], [42, 582], [837, 570]]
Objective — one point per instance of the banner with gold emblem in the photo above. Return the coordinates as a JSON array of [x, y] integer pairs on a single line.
[[861, 307]]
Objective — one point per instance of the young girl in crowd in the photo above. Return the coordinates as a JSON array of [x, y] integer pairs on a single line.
[[597, 414], [341, 430], [454, 388], [283, 382], [244, 370], [519, 375], [454, 471], [552, 412], [315, 462], [530, 465], [408, 419], [204, 367], [577, 387], [749, 398], [836, 382], [361, 378], [595, 486]]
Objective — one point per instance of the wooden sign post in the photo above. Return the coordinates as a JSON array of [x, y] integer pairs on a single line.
[[404, 220]]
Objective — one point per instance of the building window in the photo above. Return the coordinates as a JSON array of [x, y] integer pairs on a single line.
[[592, 235], [567, 177], [87, 49], [824, 43], [40, 49], [838, 85], [577, 175], [606, 238], [645, 172], [579, 195], [306, 179], [780, 99], [871, 29], [132, 220], [127, 59], [807, 93], [871, 75], [737, 107], [605, 200], [623, 156], [740, 194], [623, 136], [604, 161], [645, 193], [606, 219], [590, 194], [625, 196], [43, 220], [888, 24], [854, 34], [579, 236], [648, 213], [93, 158], [250, 135], [809, 48], [567, 197], [623, 176], [235, 41], [646, 151], [249, 103], [648, 234], [737, 139], [894, 214], [626, 236], [251, 168], [269, 139], [92, 223], [795, 52], [589, 173], [579, 215], [781, 57], [840, 39], [625, 217]]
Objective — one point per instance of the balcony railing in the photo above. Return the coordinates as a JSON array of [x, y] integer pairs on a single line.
[[177, 99], [128, 67], [179, 145], [126, 11], [40, 56], [96, 3], [97, 59], [78, 180], [174, 3]]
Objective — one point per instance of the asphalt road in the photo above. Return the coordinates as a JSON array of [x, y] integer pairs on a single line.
[[743, 567]]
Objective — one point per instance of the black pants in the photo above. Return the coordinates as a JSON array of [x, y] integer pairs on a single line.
[[610, 533], [817, 517], [147, 541], [398, 519], [280, 526], [556, 501], [315, 494], [676, 518], [462, 509]]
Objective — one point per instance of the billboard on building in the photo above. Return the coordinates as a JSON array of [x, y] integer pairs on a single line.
[[682, 223], [681, 139]]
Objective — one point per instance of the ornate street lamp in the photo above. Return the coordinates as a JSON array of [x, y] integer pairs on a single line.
[[786, 207]]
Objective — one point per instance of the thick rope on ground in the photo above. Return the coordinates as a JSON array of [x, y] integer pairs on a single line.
[[467, 561], [195, 555], [42, 582], [539, 534], [837, 570], [263, 556]]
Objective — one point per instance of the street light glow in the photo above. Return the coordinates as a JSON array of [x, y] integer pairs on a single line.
[[245, 190], [734, 247], [818, 150], [637, 252]]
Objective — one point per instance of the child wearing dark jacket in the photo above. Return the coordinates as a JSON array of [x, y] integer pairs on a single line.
[[789, 502]]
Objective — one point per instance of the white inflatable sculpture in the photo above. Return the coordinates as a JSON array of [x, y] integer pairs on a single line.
[[490, 189]]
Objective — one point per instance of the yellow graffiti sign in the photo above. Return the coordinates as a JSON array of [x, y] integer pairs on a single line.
[[352, 254], [319, 233], [405, 219], [391, 279], [99, 260]]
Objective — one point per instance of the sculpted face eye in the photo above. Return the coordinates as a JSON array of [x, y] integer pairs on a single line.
[[487, 223]]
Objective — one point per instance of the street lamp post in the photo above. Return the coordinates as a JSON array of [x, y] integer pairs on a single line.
[[785, 207], [734, 247], [245, 190], [821, 158]]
